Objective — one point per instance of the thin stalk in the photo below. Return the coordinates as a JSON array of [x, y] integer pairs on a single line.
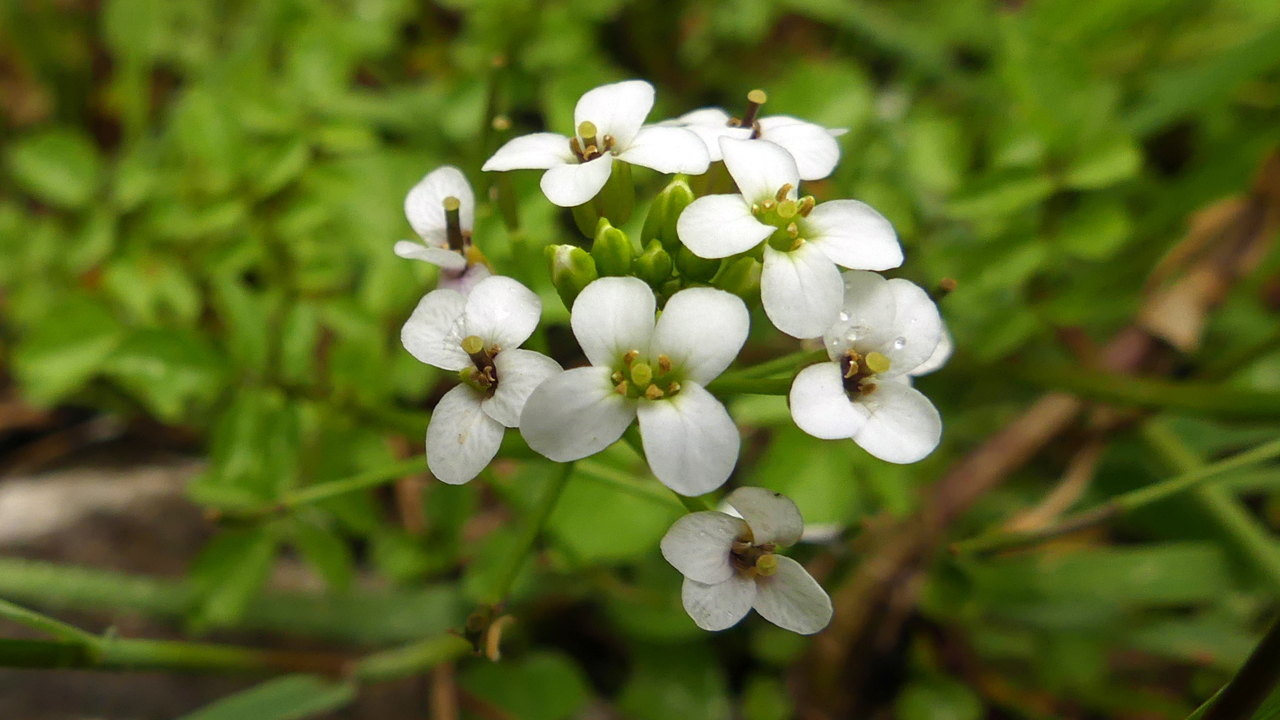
[[334, 488], [45, 624], [1209, 399], [411, 659], [750, 386], [1220, 504], [529, 535], [1249, 688], [788, 363], [1121, 504], [626, 482]]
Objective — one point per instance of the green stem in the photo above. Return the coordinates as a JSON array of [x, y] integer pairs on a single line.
[[529, 535], [786, 364], [46, 624], [411, 659], [626, 482], [1209, 399], [1120, 504], [750, 386], [1249, 688], [1219, 503], [327, 490]]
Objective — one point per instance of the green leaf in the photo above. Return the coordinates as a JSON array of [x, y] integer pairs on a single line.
[[230, 572], [172, 371], [675, 683], [938, 698], [999, 195], [59, 167], [1104, 164], [816, 474], [68, 347], [543, 686], [291, 697], [327, 552], [603, 524], [256, 444], [1096, 230], [766, 698]]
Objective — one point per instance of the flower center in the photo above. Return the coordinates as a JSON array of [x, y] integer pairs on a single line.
[[585, 145], [755, 99], [483, 377], [636, 378], [753, 560], [784, 213], [859, 371]]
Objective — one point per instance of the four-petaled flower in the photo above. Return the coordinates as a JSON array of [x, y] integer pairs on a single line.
[[803, 242], [888, 331], [478, 335], [656, 371], [730, 565], [442, 208], [814, 147], [609, 123]]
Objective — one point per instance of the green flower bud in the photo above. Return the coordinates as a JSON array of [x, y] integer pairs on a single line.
[[612, 251], [586, 217], [617, 199], [654, 264], [572, 269], [740, 276], [694, 268], [660, 223]]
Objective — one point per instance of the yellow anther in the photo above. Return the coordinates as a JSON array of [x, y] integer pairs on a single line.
[[877, 363], [664, 364], [767, 565], [630, 357], [621, 388], [641, 374], [806, 205], [793, 231], [783, 192], [755, 209], [767, 205], [653, 392], [673, 388], [472, 344], [617, 377]]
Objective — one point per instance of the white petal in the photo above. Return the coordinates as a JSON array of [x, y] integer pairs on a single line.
[[461, 438], [772, 516], [668, 150], [618, 109], [433, 333], [792, 599], [701, 330], [539, 151], [502, 312], [865, 321], [903, 427], [941, 354], [444, 259], [465, 281], [698, 545], [575, 414], [820, 406], [574, 184], [707, 117], [801, 290], [760, 168], [717, 226], [814, 148], [424, 205], [709, 124], [690, 441], [915, 331], [853, 235], [519, 372], [612, 316], [719, 606]]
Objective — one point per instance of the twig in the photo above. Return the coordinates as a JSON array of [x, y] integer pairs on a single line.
[[1078, 476], [444, 693]]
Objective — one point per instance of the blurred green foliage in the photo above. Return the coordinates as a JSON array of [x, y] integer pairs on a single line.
[[198, 202]]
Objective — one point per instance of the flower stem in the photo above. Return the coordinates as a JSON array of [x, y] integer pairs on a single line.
[[787, 363], [529, 534], [750, 386], [1120, 504], [411, 659], [334, 488], [1210, 399]]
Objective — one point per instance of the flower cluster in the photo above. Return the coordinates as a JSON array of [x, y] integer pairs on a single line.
[[659, 320]]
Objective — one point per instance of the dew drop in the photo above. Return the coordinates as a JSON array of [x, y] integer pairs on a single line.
[[844, 317], [899, 343]]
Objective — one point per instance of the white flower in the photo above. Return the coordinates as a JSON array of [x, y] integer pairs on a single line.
[[730, 565], [608, 124], [478, 334], [803, 242], [442, 210], [888, 331], [814, 147], [654, 371]]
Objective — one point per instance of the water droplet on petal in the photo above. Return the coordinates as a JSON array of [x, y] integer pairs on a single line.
[[899, 343], [844, 317]]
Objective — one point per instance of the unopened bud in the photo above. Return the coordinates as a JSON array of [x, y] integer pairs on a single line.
[[660, 223], [572, 269], [654, 264], [741, 276], [612, 251], [617, 199], [694, 268]]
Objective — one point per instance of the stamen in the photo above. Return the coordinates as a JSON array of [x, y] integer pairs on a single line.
[[664, 364], [486, 373], [621, 388], [783, 192], [653, 392], [806, 205], [453, 223], [630, 357], [576, 147], [755, 209], [608, 142], [767, 205], [793, 230], [617, 377], [673, 388]]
